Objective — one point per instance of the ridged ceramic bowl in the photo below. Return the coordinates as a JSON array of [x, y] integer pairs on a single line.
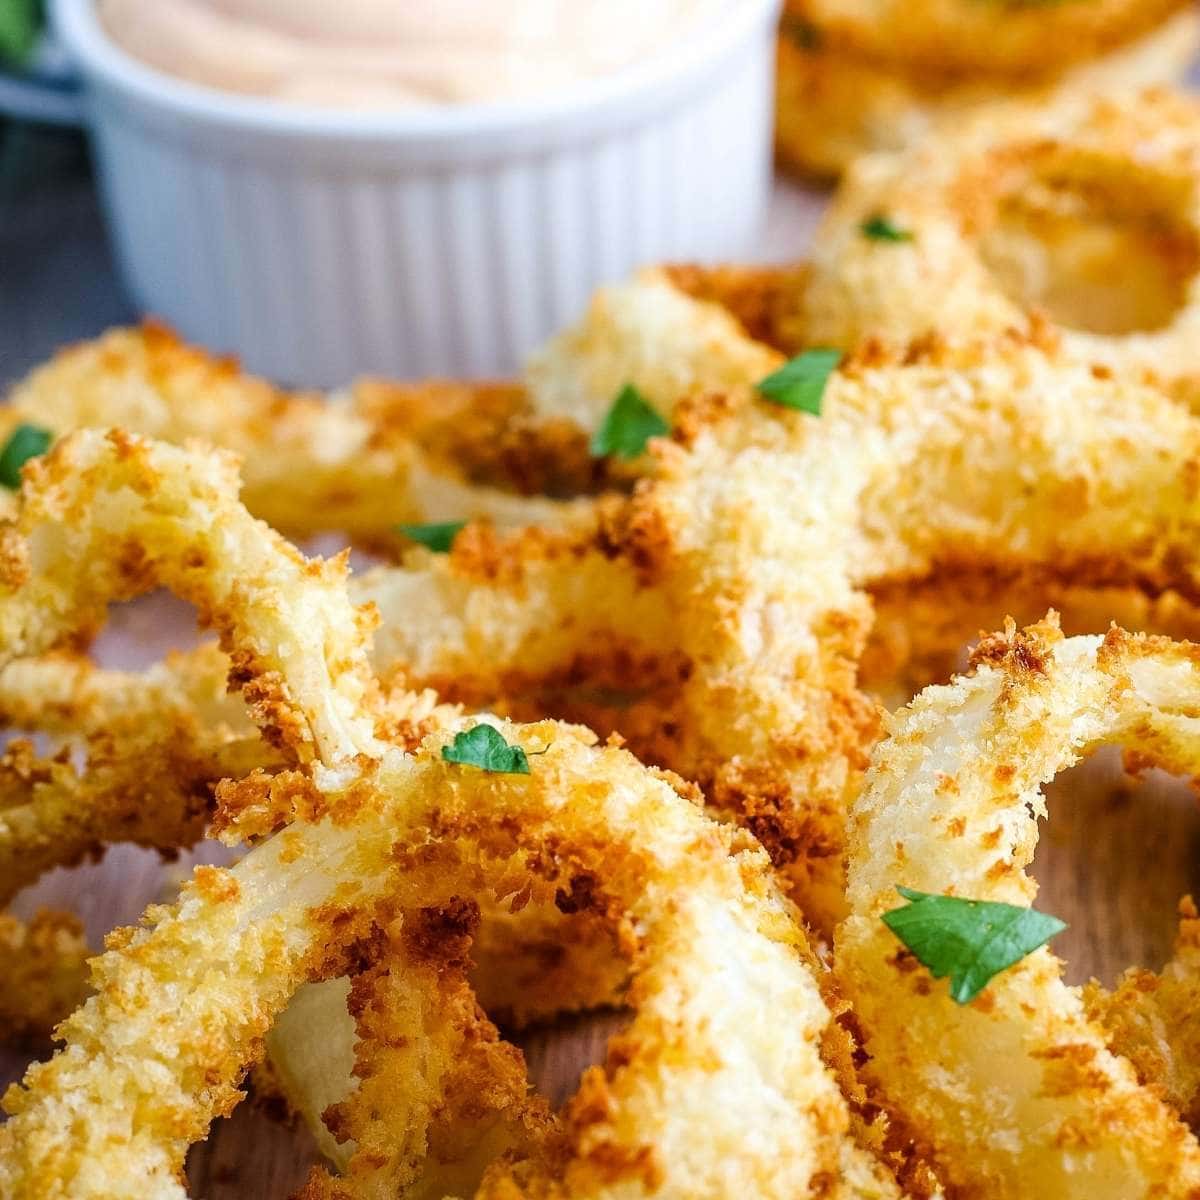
[[319, 244]]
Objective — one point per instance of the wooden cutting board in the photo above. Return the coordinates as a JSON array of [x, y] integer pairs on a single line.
[[1113, 862]]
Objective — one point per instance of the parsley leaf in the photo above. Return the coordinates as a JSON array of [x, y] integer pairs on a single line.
[[25, 442], [970, 940], [883, 229], [629, 425], [438, 537], [484, 747], [20, 24], [801, 382]]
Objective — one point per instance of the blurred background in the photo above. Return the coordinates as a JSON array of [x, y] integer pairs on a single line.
[[318, 241]]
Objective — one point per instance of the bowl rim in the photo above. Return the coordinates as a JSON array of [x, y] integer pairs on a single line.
[[101, 59]]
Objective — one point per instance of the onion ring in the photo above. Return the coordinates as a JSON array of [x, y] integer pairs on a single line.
[[735, 669], [833, 106], [596, 827], [182, 1004], [998, 39], [1025, 210], [381, 454], [1017, 1093]]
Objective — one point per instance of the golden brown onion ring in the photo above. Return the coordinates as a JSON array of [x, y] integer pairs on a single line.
[[380, 453], [684, 618], [595, 827], [43, 973], [1091, 213], [1017, 39], [106, 517], [1017, 1092]]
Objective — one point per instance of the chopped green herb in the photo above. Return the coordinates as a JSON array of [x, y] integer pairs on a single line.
[[882, 229], [20, 24], [438, 538], [484, 747], [972, 941], [801, 382], [25, 442], [629, 425]]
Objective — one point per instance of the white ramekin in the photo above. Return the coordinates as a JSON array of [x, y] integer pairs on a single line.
[[318, 245]]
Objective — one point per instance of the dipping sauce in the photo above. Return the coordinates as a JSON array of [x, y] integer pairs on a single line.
[[378, 54]]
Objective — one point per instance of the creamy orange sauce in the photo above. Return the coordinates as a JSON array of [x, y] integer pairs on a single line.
[[374, 54]]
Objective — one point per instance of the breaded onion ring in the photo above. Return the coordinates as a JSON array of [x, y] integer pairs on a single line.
[[106, 517], [379, 454], [183, 1003], [834, 105], [683, 620], [1091, 213], [43, 973], [1017, 1093], [1007, 37], [599, 830], [1153, 1020]]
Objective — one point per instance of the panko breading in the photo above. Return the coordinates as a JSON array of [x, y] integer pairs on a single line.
[[1017, 1092], [1153, 1020], [361, 833], [1014, 38], [1090, 214], [108, 516], [717, 617], [154, 745], [43, 973], [834, 105], [379, 454]]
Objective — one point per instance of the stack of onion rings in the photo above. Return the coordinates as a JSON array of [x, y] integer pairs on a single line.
[[356, 839]]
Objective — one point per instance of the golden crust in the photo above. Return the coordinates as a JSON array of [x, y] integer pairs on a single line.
[[1017, 1093], [43, 973], [182, 1004], [1151, 1020], [682, 622], [113, 515], [1028, 210], [835, 105], [1005, 39]]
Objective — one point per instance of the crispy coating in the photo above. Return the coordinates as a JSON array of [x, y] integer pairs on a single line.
[[108, 516], [432, 1094], [182, 1004], [154, 744], [1152, 1020], [651, 333], [381, 453], [833, 108], [682, 618], [1089, 213], [921, 629], [1011, 38], [43, 973], [592, 827], [1017, 1092]]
